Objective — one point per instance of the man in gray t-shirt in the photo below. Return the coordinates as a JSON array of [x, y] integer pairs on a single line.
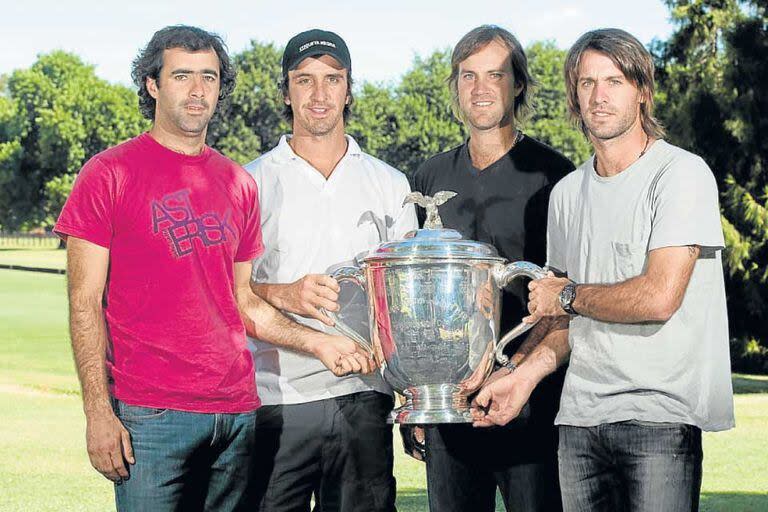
[[636, 229]]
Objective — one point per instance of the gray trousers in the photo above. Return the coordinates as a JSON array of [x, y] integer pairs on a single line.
[[339, 449]]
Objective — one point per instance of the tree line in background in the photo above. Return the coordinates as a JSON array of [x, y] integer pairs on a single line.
[[712, 96]]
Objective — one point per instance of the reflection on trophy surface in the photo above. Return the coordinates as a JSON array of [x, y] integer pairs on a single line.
[[433, 308]]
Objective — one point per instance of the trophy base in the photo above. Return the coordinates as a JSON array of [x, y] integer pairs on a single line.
[[432, 404], [409, 416]]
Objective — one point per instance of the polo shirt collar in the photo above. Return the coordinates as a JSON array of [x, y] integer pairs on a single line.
[[284, 153]]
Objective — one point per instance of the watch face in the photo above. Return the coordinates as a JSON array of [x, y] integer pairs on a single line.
[[566, 297]]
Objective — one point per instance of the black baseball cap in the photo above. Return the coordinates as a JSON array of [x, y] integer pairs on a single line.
[[312, 43]]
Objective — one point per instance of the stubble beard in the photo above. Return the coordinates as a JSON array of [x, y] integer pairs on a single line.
[[623, 123], [487, 121], [320, 127], [188, 124]]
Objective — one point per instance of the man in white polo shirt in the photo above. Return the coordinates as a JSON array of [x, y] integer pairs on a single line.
[[323, 202]]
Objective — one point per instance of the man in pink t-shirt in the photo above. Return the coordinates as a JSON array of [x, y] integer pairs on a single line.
[[161, 231]]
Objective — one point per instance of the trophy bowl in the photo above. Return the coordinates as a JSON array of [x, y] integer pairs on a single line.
[[434, 306]]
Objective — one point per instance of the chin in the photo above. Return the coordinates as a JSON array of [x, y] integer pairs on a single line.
[[604, 133], [486, 122]]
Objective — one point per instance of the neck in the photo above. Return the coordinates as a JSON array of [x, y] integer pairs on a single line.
[[323, 152], [184, 143], [615, 155], [487, 146]]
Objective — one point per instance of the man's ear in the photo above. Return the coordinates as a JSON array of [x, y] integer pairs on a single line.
[[518, 89], [151, 84], [644, 96]]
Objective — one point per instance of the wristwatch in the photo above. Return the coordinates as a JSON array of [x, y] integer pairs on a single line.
[[567, 296]]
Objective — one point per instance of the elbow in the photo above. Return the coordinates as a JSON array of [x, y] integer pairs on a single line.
[[664, 308]]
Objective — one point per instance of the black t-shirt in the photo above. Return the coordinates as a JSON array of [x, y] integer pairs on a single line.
[[504, 205]]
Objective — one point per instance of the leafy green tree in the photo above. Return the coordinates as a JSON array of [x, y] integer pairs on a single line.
[[251, 123], [714, 101], [374, 121], [55, 116], [408, 123], [549, 122]]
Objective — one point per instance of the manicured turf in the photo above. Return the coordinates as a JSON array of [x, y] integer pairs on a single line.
[[44, 466], [43, 258]]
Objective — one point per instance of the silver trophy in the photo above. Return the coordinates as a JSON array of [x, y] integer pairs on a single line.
[[433, 310]]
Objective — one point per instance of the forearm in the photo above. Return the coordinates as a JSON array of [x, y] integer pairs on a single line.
[[89, 346], [266, 323], [272, 293], [653, 296], [535, 336], [550, 351], [632, 301]]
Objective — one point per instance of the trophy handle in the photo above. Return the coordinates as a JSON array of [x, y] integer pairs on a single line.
[[503, 275], [355, 275]]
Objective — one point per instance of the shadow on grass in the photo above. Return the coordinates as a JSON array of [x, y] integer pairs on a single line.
[[745, 384], [733, 502]]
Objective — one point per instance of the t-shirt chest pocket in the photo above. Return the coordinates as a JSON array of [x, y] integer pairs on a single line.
[[629, 258]]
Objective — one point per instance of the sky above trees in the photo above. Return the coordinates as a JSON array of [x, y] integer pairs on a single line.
[[383, 37]]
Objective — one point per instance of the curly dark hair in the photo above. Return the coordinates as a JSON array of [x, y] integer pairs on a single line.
[[149, 62]]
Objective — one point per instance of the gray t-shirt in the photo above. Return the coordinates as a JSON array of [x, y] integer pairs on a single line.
[[600, 231]]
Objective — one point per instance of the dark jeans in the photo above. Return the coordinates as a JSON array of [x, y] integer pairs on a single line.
[[465, 465], [340, 449], [630, 466], [186, 461]]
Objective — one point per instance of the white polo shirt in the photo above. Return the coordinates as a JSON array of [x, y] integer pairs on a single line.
[[310, 224]]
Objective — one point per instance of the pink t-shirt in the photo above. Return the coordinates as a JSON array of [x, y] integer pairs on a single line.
[[174, 225]]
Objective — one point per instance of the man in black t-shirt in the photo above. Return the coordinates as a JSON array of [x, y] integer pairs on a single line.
[[503, 179]]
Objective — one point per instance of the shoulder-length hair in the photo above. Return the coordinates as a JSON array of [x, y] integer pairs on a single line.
[[630, 56], [477, 39]]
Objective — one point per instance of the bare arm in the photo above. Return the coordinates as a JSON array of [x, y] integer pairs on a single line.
[[653, 296], [263, 321], [108, 441], [502, 398], [303, 297], [535, 337]]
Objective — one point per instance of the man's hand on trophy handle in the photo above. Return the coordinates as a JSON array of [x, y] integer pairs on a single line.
[[309, 294], [341, 355], [365, 361], [544, 297]]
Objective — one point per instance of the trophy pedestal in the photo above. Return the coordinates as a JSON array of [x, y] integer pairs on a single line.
[[430, 404]]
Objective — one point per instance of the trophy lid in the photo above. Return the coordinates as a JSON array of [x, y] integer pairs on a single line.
[[433, 244]]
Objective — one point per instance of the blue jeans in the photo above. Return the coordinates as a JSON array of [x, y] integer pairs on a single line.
[[630, 466], [186, 461]]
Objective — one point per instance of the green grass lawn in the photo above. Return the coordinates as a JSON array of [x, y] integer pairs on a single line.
[[44, 466], [43, 258]]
